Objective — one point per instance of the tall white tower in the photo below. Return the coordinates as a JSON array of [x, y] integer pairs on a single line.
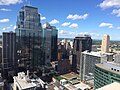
[[105, 44]]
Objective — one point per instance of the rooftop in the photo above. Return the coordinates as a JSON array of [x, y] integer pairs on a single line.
[[56, 86], [29, 6], [97, 54], [24, 82], [70, 76], [75, 81], [70, 87], [83, 35], [113, 86], [82, 86], [110, 66]]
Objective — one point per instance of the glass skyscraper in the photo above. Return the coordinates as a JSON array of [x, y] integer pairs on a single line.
[[54, 47], [51, 35], [29, 34]]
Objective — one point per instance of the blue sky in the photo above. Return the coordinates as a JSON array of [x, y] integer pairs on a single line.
[[71, 17]]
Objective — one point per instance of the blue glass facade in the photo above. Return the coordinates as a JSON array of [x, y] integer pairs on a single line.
[[29, 40], [54, 47], [35, 46], [51, 35]]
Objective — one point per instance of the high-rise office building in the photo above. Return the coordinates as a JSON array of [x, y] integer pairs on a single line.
[[80, 44], [106, 73], [51, 49], [54, 47], [9, 62], [30, 42], [105, 44], [87, 64]]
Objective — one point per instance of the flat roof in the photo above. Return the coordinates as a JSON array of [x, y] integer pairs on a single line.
[[75, 81], [82, 35], [70, 87], [98, 54], [54, 85], [109, 53], [70, 76], [108, 66], [63, 80], [82, 86], [112, 86], [30, 6], [24, 84]]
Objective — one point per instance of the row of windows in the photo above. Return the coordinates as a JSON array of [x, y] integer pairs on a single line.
[[115, 69], [103, 77]]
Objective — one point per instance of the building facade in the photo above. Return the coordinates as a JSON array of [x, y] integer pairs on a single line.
[[87, 64], [29, 38], [106, 73], [80, 44], [9, 61], [63, 66]]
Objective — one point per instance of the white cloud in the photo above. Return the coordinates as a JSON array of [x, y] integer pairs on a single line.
[[74, 25], [118, 27], [11, 27], [70, 34], [93, 35], [116, 12], [14, 27], [9, 2], [43, 18], [4, 20], [64, 33], [5, 9], [54, 21], [110, 3], [44, 25], [77, 17], [109, 25], [66, 24], [8, 27], [4, 29]]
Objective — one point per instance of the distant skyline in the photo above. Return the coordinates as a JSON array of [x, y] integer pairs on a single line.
[[96, 17]]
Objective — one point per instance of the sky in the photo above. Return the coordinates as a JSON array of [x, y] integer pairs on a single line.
[[71, 17]]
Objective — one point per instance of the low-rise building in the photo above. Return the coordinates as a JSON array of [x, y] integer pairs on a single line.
[[112, 86], [24, 82], [82, 86]]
